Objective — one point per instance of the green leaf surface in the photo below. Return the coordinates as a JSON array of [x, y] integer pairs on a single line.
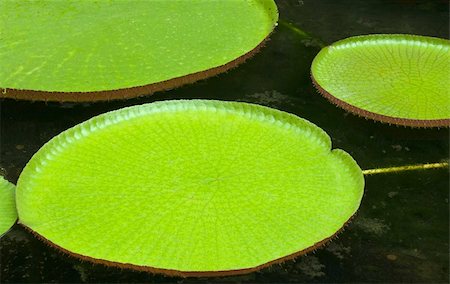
[[400, 79], [189, 187], [8, 212], [72, 47]]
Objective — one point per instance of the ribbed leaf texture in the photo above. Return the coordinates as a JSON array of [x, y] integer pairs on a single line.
[[399, 79], [190, 188]]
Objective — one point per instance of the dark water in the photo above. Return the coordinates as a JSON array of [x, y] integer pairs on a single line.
[[401, 232]]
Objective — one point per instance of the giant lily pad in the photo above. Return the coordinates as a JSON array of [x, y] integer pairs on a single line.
[[399, 79], [98, 50], [8, 212], [190, 188]]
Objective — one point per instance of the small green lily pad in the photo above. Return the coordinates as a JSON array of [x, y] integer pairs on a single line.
[[190, 188], [98, 50], [8, 212], [399, 79]]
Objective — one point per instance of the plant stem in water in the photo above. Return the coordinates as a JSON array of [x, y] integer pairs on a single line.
[[406, 168]]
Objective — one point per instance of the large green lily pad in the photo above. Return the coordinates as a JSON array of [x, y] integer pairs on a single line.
[[399, 79], [8, 212], [97, 50], [190, 188]]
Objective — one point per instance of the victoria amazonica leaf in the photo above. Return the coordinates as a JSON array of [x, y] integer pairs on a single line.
[[190, 188], [399, 79], [8, 212], [97, 50]]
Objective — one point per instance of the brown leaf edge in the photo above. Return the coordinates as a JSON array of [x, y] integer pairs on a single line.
[[184, 274], [132, 92], [379, 117]]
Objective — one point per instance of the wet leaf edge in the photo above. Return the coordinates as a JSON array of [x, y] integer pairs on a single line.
[[391, 120], [186, 274]]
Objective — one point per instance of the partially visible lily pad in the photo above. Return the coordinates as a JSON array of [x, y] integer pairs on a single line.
[[8, 212], [98, 50], [190, 187], [399, 79]]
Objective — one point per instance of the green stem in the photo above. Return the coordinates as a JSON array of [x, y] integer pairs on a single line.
[[406, 168], [300, 32]]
